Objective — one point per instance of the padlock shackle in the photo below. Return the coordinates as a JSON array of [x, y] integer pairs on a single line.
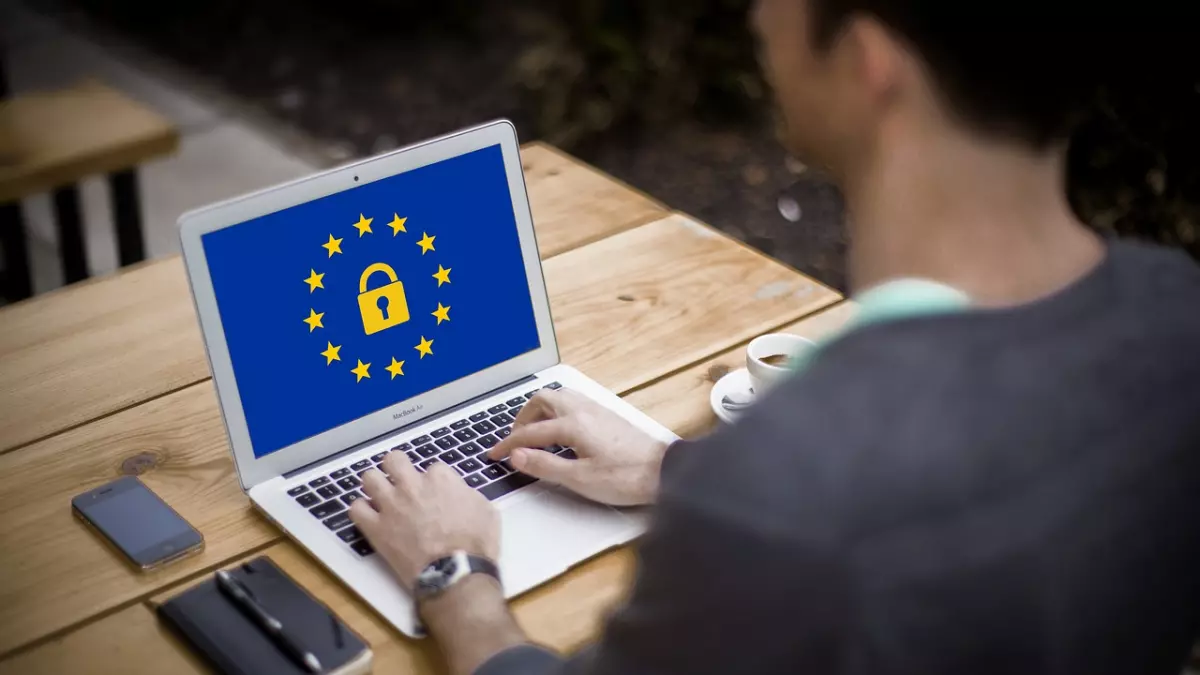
[[377, 267]]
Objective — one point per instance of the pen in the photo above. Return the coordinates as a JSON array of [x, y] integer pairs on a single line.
[[233, 589]]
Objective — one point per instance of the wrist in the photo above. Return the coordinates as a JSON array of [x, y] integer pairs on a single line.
[[471, 622], [652, 479]]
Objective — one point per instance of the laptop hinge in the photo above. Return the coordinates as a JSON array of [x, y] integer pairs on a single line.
[[399, 430]]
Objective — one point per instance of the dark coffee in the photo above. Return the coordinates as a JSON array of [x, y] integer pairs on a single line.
[[777, 360]]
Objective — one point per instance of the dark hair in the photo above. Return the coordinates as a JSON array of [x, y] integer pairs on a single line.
[[1029, 75]]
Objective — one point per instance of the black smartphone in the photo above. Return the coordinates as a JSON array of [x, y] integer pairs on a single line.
[[137, 523]]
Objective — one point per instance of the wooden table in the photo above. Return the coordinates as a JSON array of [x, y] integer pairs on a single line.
[[109, 377]]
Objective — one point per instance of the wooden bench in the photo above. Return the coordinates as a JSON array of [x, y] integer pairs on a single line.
[[49, 142]]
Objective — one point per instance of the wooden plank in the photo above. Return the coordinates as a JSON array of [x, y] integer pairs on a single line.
[[656, 298], [680, 401], [587, 204], [129, 642], [57, 574], [55, 138], [92, 349], [564, 614]]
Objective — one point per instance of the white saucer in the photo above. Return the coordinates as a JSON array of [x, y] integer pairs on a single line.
[[736, 385]]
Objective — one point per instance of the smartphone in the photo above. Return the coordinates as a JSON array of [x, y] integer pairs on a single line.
[[137, 523]]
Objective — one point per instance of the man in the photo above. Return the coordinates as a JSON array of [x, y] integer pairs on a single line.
[[1012, 488]]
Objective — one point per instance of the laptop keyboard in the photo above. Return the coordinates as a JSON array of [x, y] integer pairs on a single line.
[[461, 445]]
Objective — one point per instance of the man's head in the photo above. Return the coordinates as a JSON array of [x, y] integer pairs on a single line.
[[847, 72]]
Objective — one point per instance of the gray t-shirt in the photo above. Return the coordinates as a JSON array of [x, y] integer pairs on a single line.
[[997, 491]]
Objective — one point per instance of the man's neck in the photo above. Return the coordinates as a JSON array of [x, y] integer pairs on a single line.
[[988, 219]]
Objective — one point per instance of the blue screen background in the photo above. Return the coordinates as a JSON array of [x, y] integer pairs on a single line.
[[288, 390]]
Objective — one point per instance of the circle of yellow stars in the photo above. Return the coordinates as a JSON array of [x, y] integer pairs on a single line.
[[315, 280]]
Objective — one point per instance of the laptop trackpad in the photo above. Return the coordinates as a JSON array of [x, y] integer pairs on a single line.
[[549, 531]]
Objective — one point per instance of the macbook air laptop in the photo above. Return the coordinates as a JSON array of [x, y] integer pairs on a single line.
[[395, 305]]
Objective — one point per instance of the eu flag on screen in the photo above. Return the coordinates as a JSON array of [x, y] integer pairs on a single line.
[[350, 303]]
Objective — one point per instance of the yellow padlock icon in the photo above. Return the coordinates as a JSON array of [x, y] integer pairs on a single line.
[[385, 306]]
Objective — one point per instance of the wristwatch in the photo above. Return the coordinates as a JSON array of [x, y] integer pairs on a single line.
[[443, 573]]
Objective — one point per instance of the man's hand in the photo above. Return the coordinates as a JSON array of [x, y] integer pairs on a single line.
[[618, 463], [423, 517]]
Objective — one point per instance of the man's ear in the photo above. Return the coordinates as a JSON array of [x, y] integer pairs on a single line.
[[878, 58]]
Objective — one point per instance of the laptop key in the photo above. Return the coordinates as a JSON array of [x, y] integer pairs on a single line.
[[504, 433], [502, 420], [297, 490], [510, 483], [515, 410], [412, 457], [446, 442], [530, 395], [498, 408], [328, 491], [568, 453], [483, 427], [338, 521], [327, 509], [469, 449], [520, 400], [428, 463], [318, 482], [460, 424], [362, 547], [361, 465], [402, 447], [349, 483], [450, 457], [478, 416], [427, 451], [349, 534], [351, 497], [554, 449], [379, 458], [339, 473], [438, 433], [471, 464], [489, 441], [465, 434], [307, 499], [494, 472], [553, 385], [421, 440], [475, 480]]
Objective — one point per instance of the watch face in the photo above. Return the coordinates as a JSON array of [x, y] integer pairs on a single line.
[[437, 574]]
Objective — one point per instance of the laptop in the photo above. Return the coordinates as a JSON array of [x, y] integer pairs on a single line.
[[394, 305]]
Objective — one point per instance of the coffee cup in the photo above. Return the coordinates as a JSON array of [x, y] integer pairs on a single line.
[[769, 358]]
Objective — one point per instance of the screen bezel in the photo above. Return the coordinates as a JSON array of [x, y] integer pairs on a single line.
[[194, 225], [159, 552]]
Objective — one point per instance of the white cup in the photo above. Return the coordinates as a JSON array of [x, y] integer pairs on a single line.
[[763, 375]]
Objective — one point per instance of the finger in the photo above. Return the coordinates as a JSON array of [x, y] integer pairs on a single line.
[[377, 488], [537, 435], [364, 517], [544, 465], [402, 472], [536, 409], [442, 473]]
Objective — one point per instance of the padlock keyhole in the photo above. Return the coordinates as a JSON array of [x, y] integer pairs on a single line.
[[382, 303]]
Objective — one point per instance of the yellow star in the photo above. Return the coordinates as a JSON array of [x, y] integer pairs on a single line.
[[397, 368], [331, 353], [442, 275], [314, 280], [397, 224], [361, 371], [333, 246], [442, 314], [363, 225], [426, 243], [314, 320], [426, 346]]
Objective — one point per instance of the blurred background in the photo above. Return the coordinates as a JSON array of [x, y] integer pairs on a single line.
[[664, 95]]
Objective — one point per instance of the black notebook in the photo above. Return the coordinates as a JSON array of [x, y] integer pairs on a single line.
[[236, 646]]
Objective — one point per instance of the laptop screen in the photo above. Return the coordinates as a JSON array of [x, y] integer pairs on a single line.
[[351, 303]]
